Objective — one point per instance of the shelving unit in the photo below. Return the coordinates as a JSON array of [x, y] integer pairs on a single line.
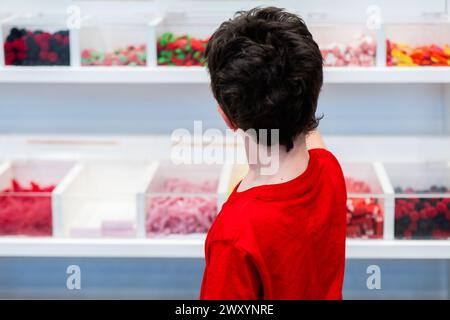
[[64, 91], [198, 75], [193, 247]]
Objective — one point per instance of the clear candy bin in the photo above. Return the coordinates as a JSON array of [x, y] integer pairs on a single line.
[[36, 40], [182, 38], [184, 199], [101, 199], [422, 199], [115, 41], [26, 196], [418, 44], [348, 45], [365, 201]]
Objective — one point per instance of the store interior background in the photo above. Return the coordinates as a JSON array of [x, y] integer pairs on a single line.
[[381, 110]]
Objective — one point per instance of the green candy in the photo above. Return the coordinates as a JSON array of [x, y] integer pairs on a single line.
[[181, 56], [166, 53], [165, 38], [122, 58], [101, 57], [162, 60], [196, 54], [178, 51], [163, 42], [141, 56], [132, 63]]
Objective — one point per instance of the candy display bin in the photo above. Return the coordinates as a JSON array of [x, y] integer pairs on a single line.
[[184, 199], [26, 196], [36, 40], [365, 201], [422, 199], [101, 198], [351, 45], [182, 38], [115, 41], [418, 44]]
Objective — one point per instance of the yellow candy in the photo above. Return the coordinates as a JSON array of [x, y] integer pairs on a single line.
[[402, 57], [447, 50]]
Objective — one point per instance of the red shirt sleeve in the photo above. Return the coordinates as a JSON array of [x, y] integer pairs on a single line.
[[230, 274]]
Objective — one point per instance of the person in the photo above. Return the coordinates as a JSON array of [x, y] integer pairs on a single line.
[[280, 235]]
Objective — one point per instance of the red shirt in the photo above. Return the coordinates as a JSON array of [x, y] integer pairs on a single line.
[[281, 241]]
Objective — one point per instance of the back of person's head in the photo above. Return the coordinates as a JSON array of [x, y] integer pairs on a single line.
[[266, 72]]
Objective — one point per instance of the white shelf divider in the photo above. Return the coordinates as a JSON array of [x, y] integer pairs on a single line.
[[381, 46], [58, 192], [141, 201], [389, 201], [152, 39], [74, 47]]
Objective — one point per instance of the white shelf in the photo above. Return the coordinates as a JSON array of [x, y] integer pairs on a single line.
[[193, 247], [176, 75], [103, 75]]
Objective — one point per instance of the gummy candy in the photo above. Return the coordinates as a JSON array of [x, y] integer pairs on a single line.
[[361, 52], [129, 56], [37, 48], [364, 215], [26, 210], [181, 51], [422, 218], [403, 55], [182, 213]]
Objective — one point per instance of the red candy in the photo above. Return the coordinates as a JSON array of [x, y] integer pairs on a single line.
[[181, 51], [26, 48], [359, 53], [422, 218], [403, 55], [26, 210], [364, 215], [184, 213]]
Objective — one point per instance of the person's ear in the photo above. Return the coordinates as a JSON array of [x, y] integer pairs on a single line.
[[227, 120]]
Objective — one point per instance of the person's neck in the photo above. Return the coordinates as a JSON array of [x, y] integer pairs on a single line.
[[290, 165]]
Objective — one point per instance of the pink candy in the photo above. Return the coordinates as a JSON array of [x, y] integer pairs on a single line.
[[361, 52], [183, 213]]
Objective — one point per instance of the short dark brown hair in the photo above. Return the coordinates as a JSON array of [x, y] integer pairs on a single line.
[[266, 72]]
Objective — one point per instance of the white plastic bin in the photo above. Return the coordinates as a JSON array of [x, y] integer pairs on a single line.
[[36, 39], [116, 41], [346, 45], [184, 199], [26, 196], [418, 44], [182, 37], [365, 201], [102, 198], [422, 199]]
